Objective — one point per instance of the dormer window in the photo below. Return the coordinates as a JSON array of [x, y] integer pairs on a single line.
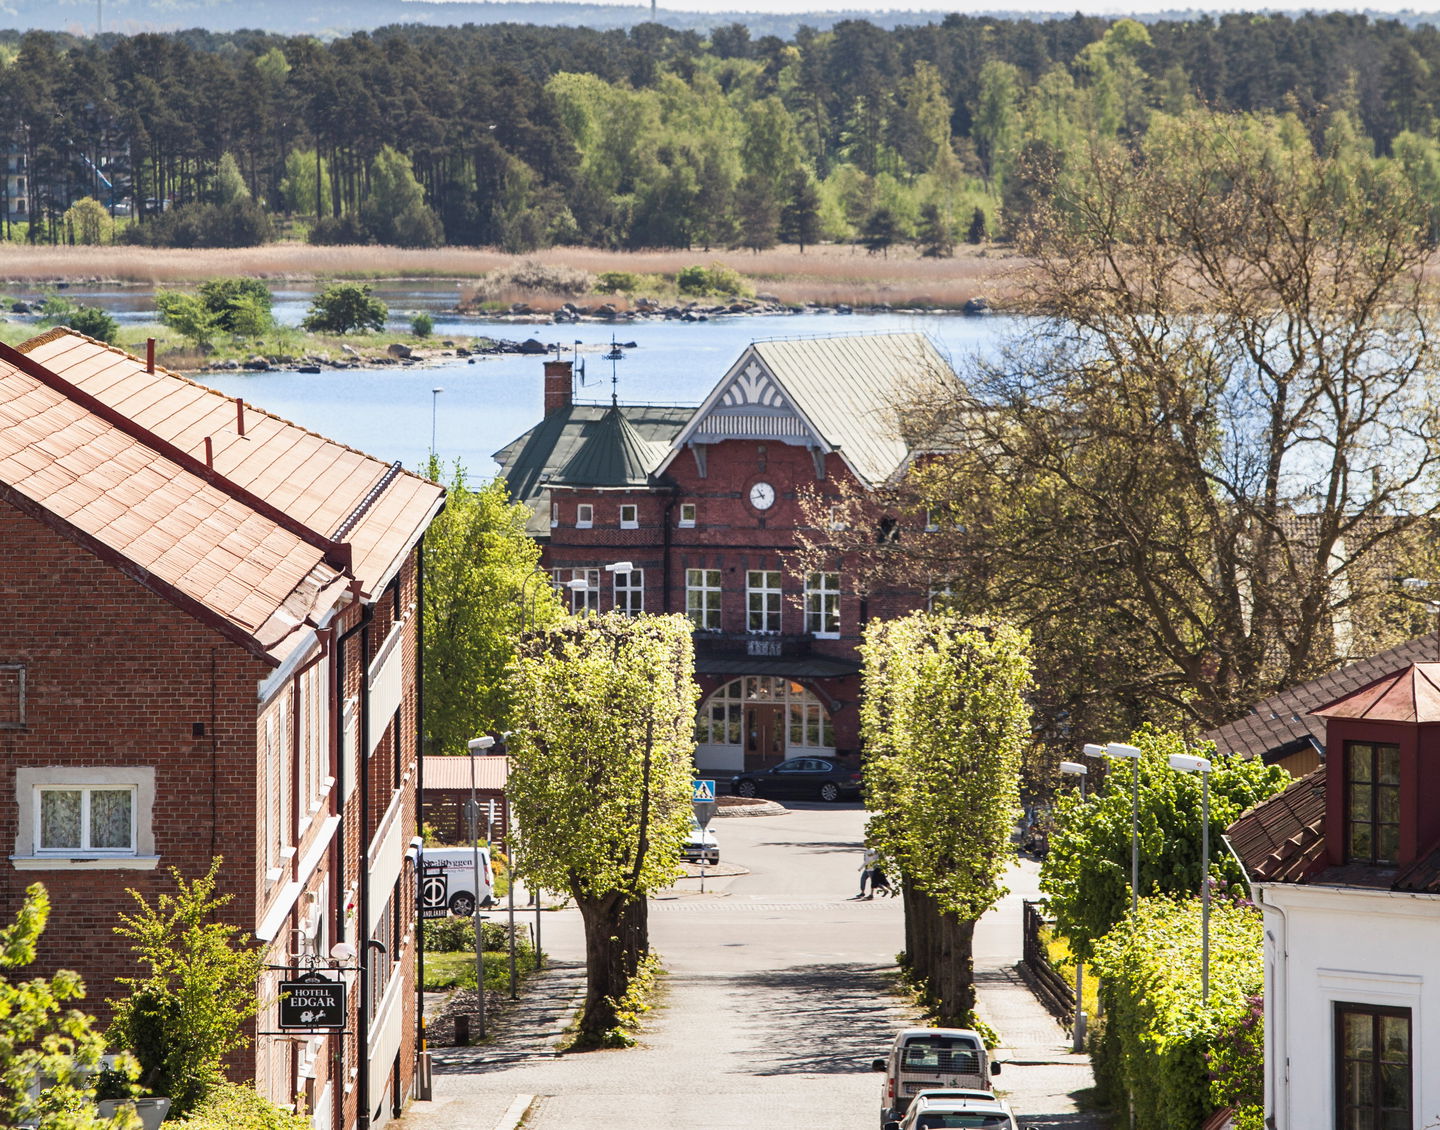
[[1372, 803]]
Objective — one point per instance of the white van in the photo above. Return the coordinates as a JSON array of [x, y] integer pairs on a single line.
[[928, 1059], [447, 881]]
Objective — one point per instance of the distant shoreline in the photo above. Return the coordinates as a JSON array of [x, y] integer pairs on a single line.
[[827, 275]]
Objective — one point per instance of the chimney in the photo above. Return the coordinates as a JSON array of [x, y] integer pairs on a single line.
[[559, 386]]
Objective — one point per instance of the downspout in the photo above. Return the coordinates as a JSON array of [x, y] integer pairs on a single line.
[[419, 797], [1277, 1020], [362, 925]]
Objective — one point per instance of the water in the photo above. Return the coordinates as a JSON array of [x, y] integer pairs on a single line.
[[390, 412]]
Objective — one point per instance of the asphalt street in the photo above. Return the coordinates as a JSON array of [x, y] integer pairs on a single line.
[[779, 991]]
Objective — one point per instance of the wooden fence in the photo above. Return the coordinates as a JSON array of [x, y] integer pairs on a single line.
[[1053, 990]]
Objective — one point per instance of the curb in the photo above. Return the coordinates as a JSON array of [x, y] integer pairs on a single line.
[[515, 1113]]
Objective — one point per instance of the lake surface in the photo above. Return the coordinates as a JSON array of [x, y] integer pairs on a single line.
[[390, 412]]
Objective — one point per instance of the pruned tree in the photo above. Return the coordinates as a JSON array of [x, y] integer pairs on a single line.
[[483, 587], [1199, 467], [600, 782], [944, 720]]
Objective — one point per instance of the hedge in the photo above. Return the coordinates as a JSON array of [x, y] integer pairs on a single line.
[[1153, 1045]]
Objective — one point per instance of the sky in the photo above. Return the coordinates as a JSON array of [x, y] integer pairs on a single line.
[[1040, 7]]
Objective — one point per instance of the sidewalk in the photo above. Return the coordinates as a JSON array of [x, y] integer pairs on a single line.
[[1041, 1075]]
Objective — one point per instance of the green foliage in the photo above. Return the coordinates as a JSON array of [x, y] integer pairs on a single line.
[[603, 762], [631, 1007], [92, 321], [1157, 1034], [230, 186], [422, 325], [188, 1009], [1086, 873], [242, 223], [395, 210], [42, 1038], [344, 308], [944, 720], [716, 279], [455, 969], [87, 222], [1237, 1067], [483, 587], [617, 282], [237, 1106], [453, 934], [239, 306], [188, 316]]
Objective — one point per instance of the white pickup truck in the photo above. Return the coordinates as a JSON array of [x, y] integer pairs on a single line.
[[928, 1059]]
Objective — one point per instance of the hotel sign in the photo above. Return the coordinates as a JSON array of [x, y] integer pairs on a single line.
[[314, 1001]]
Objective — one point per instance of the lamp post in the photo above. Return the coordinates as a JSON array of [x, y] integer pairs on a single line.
[[1132, 754], [1076, 769], [434, 405], [475, 746], [1185, 763]]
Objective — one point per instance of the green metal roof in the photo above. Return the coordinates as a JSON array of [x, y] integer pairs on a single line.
[[611, 453]]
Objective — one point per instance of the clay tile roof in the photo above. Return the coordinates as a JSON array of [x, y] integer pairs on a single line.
[[1410, 695], [1286, 718], [262, 542], [1282, 839], [453, 772], [379, 509]]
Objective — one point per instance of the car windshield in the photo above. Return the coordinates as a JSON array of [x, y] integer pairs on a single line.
[[936, 1120]]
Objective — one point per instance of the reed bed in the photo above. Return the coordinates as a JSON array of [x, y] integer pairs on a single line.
[[826, 273]]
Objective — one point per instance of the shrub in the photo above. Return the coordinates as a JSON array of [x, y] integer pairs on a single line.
[[616, 282], [716, 279], [529, 274], [1157, 1033], [187, 315], [233, 1106], [344, 308], [94, 322], [422, 325], [336, 231], [241, 224], [454, 934], [239, 306]]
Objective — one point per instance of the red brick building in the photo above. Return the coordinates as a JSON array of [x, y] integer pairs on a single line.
[[704, 504], [209, 647]]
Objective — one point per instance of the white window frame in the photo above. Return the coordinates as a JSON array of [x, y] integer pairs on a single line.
[[835, 517], [633, 521], [629, 592], [931, 525], [944, 593], [584, 516], [584, 601], [701, 585], [687, 515], [31, 781], [82, 848], [770, 611], [822, 605], [554, 515]]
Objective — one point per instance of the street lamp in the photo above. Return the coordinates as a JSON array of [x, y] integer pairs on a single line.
[[434, 404], [1185, 763], [1076, 769], [1132, 754], [477, 745]]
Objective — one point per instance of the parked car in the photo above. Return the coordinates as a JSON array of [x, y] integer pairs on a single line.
[[930, 1059], [701, 846], [931, 1113], [822, 777]]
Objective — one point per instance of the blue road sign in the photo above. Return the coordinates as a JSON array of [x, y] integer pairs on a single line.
[[704, 790]]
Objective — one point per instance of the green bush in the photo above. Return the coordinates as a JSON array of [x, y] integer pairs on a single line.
[[94, 322], [422, 325], [242, 223], [233, 1106], [344, 308], [457, 935], [1153, 1046], [713, 280], [617, 282], [239, 306]]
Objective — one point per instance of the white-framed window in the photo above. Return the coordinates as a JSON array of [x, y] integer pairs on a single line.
[[687, 515], [822, 605], [835, 518], [932, 523], [630, 592], [942, 597], [12, 696], [762, 601], [87, 819], [85, 816], [584, 516], [313, 719], [278, 800], [702, 599], [629, 516], [554, 515], [721, 717], [583, 599]]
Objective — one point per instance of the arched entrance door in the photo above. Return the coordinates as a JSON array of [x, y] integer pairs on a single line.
[[759, 720]]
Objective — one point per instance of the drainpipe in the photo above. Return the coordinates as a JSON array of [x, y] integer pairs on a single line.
[[1277, 1020], [421, 1052], [362, 925]]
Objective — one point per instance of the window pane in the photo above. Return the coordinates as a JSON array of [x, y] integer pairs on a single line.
[[1387, 805], [60, 818], [1388, 764], [1395, 1087], [1361, 842], [1359, 802], [797, 725], [1395, 1039], [110, 818], [1387, 843], [1359, 1029], [1360, 754]]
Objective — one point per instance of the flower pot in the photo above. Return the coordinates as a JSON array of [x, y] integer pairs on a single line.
[[152, 1111]]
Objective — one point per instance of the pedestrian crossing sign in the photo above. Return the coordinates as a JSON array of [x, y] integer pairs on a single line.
[[704, 790]]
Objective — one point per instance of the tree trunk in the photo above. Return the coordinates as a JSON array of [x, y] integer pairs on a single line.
[[617, 937], [954, 984]]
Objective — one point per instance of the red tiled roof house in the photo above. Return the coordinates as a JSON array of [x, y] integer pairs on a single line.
[[209, 647]]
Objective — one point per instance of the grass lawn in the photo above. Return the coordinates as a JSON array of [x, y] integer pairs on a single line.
[[457, 970]]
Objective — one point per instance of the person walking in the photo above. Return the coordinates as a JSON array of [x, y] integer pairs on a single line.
[[869, 867]]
